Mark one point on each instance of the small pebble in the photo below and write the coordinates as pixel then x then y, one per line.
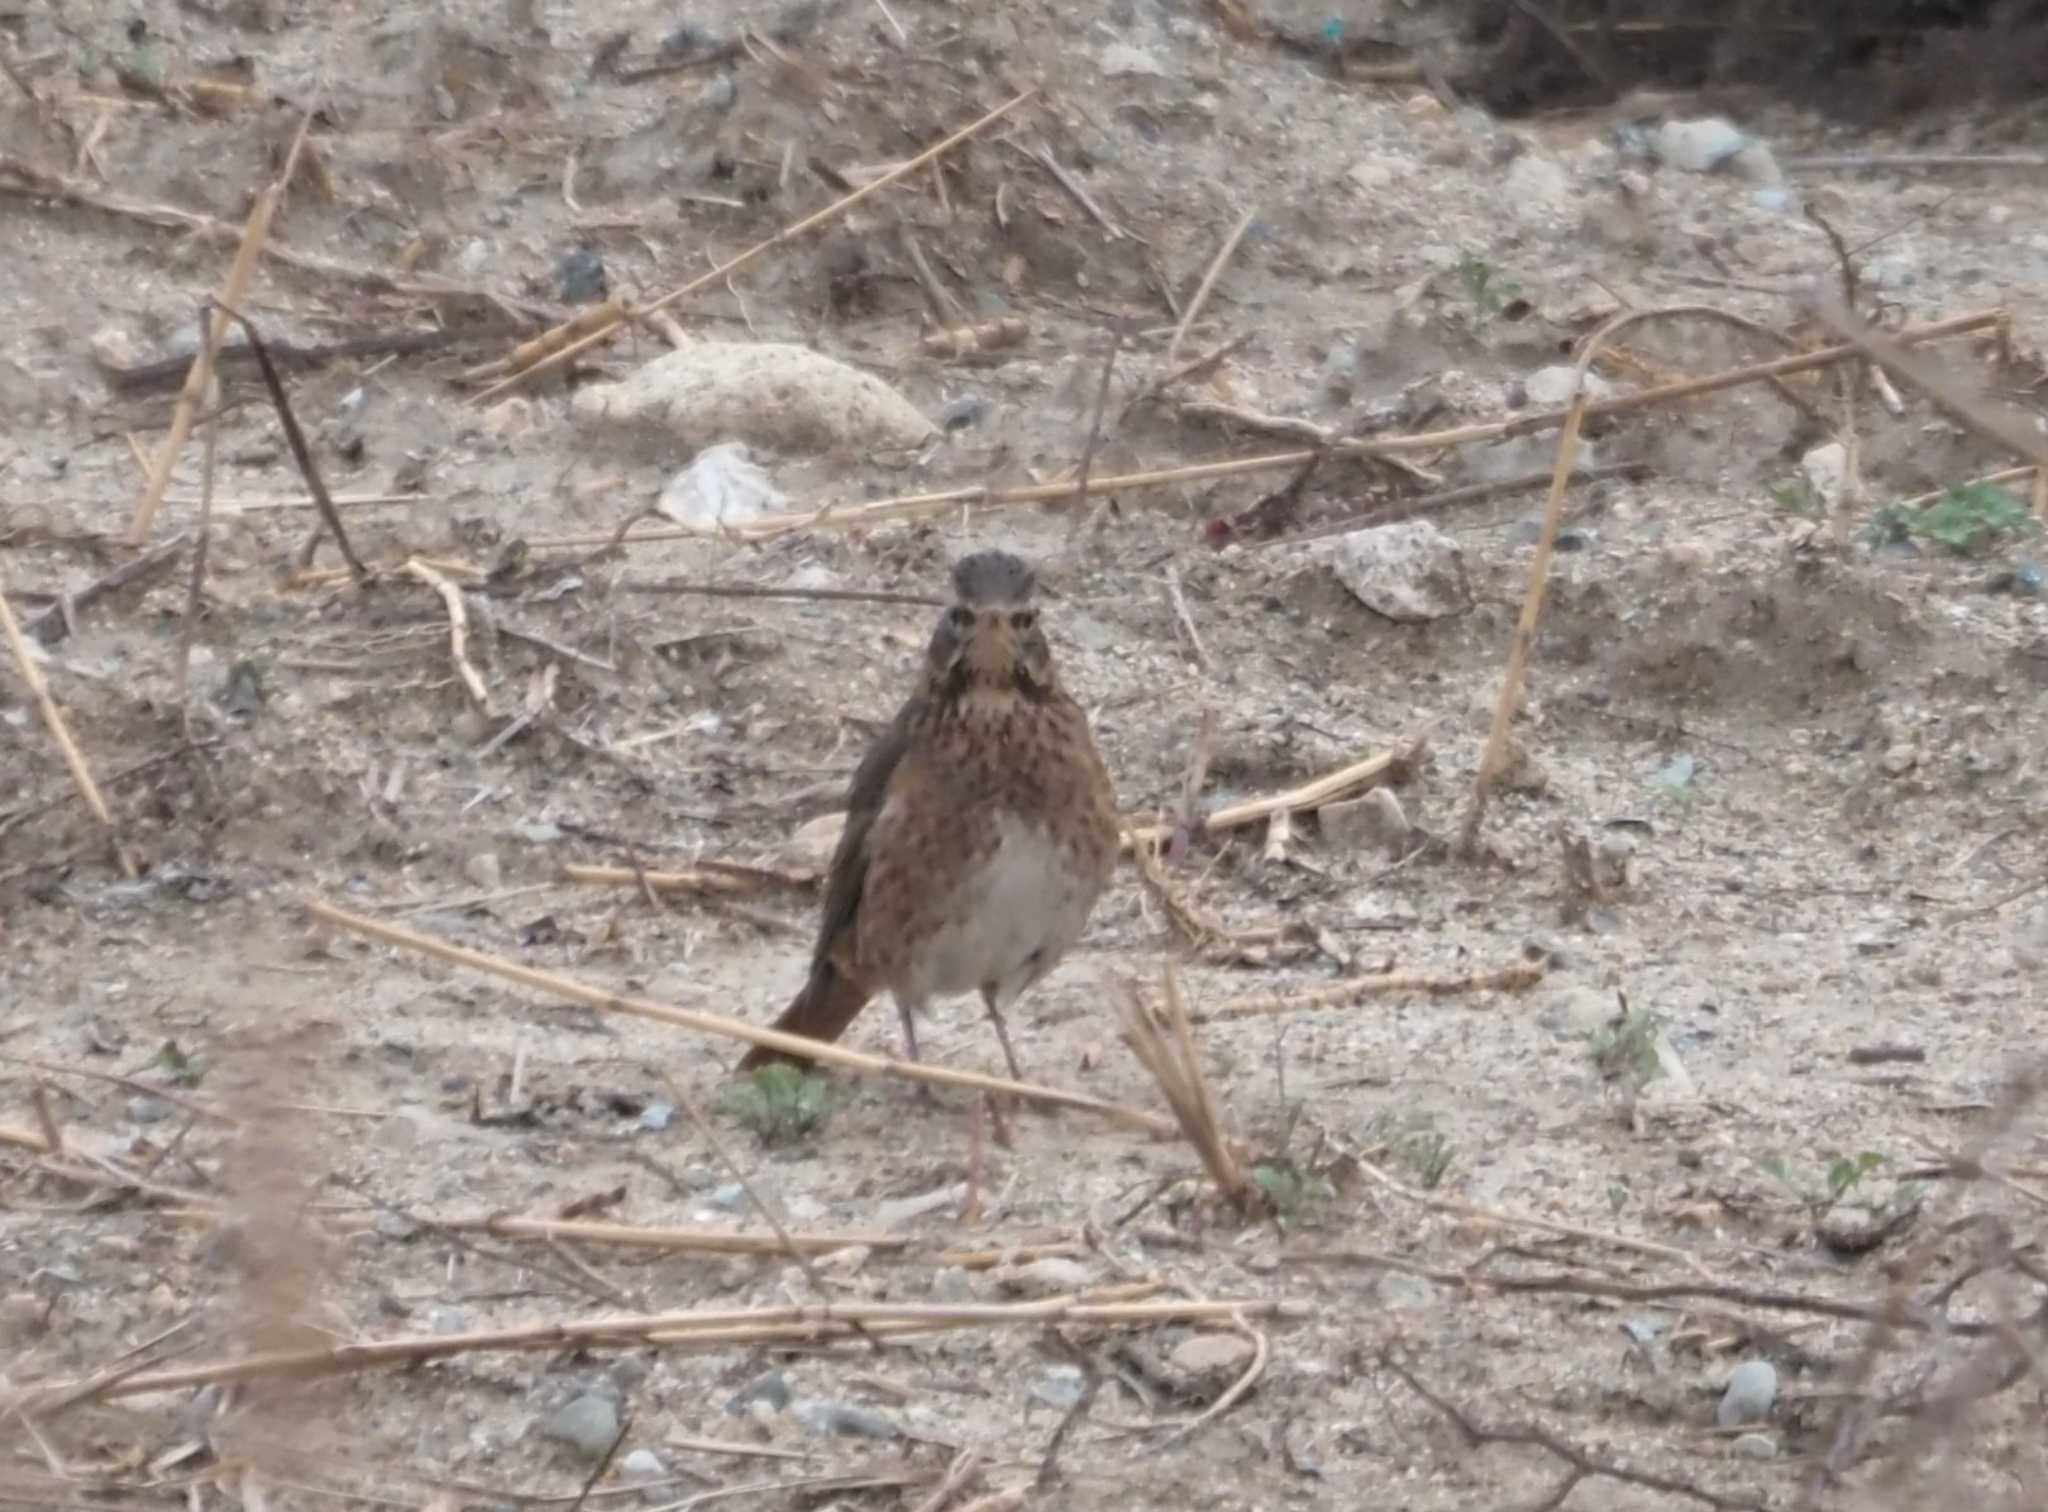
pixel 642 1464
pixel 843 1418
pixel 148 1110
pixel 958 414
pixel 1752 1390
pixel 587 1424
pixel 718 93
pixel 657 1116
pixel 447 1320
pixel 484 870
pixel 583 277
pixel 730 1196
pixel 1756 1446
pixel 1062 1386
pixel 1209 1361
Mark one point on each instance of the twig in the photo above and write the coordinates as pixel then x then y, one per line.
pixel 60 731
pixel 1208 283
pixel 706 1023
pixel 2001 428
pixel 1389 768
pixel 46 1121
pixel 712 879
pixel 753 591
pixel 1176 597
pixel 736 1325
pixel 254 234
pixel 966 1464
pixel 561 356
pixel 1516 978
pixel 1091 1382
pixel 1469 493
pixel 458 630
pixel 196 587
pixel 1581 1466
pixel 302 454
pixel 1116 341
pixel 58 621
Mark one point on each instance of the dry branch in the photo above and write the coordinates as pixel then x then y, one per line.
pixel 458 630
pixel 714 881
pixel 60 731
pixel 737 1325
pixel 1389 767
pixel 254 235
pixel 559 352
pixel 1516 978
pixel 707 1023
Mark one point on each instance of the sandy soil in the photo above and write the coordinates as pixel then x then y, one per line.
pixel 1820 760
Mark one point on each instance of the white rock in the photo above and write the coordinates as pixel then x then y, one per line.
pixel 721 486
pixel 778 396
pixel 641 1464
pixel 1551 387
pixel 1697 146
pixel 1826 468
pixel 1409 571
pixel 1537 189
pixel 1752 1389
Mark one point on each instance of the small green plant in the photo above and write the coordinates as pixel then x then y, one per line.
pixel 1629 1049
pixel 1415 1143
pixel 1288 1187
pixel 779 1103
pixel 1796 497
pixel 1843 1174
pixel 1484 287
pixel 1967 520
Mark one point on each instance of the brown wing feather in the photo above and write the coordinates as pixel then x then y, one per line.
pixel 832 996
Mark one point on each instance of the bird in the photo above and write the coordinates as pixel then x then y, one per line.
pixel 981 828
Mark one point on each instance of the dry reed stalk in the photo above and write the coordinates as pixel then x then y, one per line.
pixel 1164 1042
pixel 1389 767
pixel 254 234
pixel 691 1241
pixel 1208 284
pixel 458 630
pixel 708 1023
pixel 629 1330
pixel 1516 978
pixel 560 353
pixel 747 880
pixel 838 516
pixel 60 730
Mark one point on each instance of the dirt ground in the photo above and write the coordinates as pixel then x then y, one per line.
pixel 1819 758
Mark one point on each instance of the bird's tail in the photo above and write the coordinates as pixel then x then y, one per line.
pixel 823 1010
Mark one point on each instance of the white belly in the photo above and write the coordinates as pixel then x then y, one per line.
pixel 1019 913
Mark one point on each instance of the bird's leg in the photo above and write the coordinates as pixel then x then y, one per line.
pixel 906 1011
pixel 995 1016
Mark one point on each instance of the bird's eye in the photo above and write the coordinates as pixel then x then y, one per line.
pixel 1024 619
pixel 960 616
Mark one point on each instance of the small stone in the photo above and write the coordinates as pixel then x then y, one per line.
pixel 483 869
pixel 1697 146
pixel 958 414
pixel 718 93
pixel 1374 822
pixel 730 1196
pixel 657 1116
pixel 1826 468
pixel 1062 1386
pixel 582 277
pixel 1752 1390
pixel 721 486
pixel 770 1389
pixel 1689 556
pixel 113 347
pixel 1410 571
pixel 148 1110
pixel 588 1424
pixel 1900 759
pixel 844 1419
pixel 642 1464
pixel 1207 1362
pixel 952 1283
pixel 1551 387
pixel 1756 1446
pixel 508 418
